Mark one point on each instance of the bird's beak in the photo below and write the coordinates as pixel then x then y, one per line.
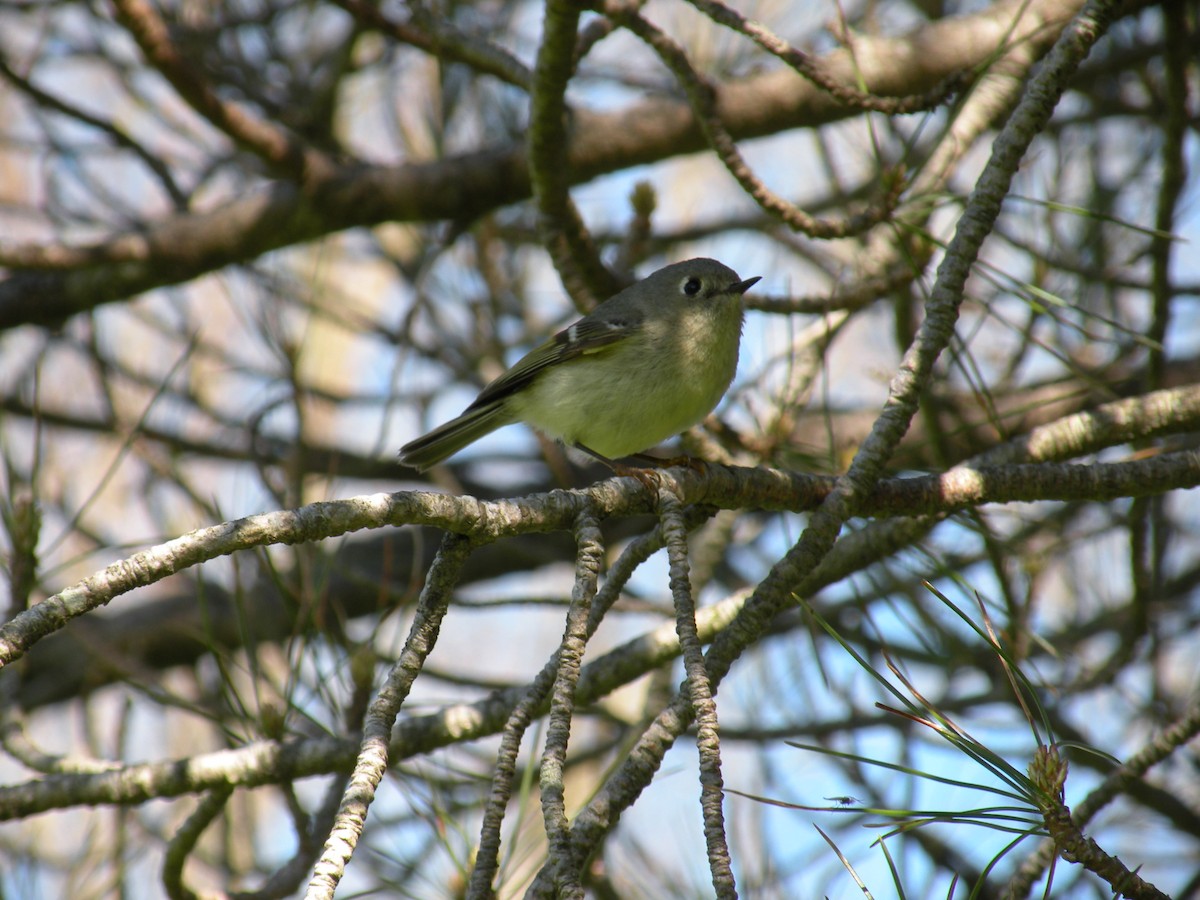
pixel 740 287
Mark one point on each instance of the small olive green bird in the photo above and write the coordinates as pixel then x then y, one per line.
pixel 646 364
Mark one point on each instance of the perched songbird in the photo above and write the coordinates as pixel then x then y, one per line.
pixel 646 364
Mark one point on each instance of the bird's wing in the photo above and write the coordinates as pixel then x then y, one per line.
pixel 588 335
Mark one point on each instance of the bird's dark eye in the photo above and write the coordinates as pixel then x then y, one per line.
pixel 691 286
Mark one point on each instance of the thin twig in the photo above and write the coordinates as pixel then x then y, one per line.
pixel 701 94
pixel 1166 743
pixel 183 842
pixel 589 556
pixel 282 150
pixel 533 700
pixel 563 231
pixel 118 135
pixel 700 690
pixel 438 38
pixel 372 761
pixel 812 70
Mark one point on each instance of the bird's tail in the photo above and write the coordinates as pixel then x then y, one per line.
pixel 446 440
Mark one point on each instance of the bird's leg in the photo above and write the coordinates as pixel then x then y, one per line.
pixel 656 462
pixel 646 475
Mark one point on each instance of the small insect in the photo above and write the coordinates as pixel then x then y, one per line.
pixel 842 801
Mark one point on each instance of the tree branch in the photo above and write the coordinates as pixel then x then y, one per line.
pixel 178 249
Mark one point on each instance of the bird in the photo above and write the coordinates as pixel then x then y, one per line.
pixel 646 364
